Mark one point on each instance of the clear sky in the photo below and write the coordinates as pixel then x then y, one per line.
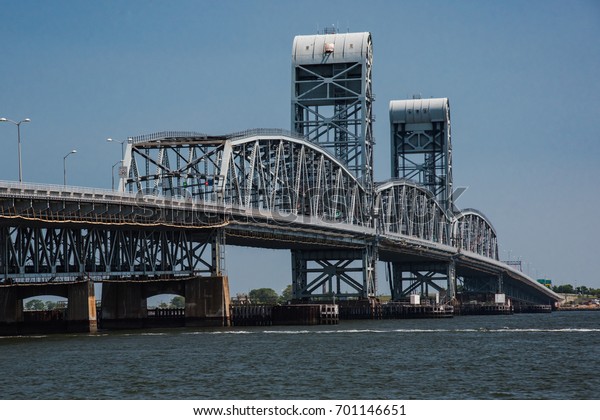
pixel 523 78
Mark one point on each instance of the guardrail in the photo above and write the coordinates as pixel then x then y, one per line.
pixel 161 135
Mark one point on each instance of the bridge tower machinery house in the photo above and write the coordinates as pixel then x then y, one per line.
pixel 332 106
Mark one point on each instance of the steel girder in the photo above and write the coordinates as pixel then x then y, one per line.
pixel 332 97
pixel 473 232
pixel 43 254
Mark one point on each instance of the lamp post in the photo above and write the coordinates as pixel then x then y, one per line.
pixel 112 173
pixel 65 166
pixel 122 145
pixel 18 124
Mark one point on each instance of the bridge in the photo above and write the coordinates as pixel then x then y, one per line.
pixel 184 195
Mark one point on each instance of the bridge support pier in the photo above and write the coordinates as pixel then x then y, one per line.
pixel 11 310
pixel 485 289
pixel 419 278
pixel 207 302
pixel 331 274
pixel 124 303
pixel 79 316
pixel 81 309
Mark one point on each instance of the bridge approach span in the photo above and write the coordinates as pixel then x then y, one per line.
pixel 56 233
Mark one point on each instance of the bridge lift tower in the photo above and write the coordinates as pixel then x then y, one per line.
pixel 421 151
pixel 332 106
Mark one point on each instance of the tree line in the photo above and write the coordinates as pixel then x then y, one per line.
pixel 579 290
pixel 40 305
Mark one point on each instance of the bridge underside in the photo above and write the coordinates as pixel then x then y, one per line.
pixel 454 277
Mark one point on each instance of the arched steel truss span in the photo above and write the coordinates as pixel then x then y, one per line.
pixel 270 170
pixel 410 209
pixel 473 232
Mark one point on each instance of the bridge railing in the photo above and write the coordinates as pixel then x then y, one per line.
pixel 165 134
pixel 266 132
pixel 44 190
pixel 191 134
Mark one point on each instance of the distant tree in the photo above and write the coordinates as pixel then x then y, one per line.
pixel 564 288
pixel 50 305
pixel 264 296
pixel 163 305
pixel 286 295
pixel 35 305
pixel 177 302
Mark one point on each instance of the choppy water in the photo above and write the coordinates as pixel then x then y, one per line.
pixel 524 356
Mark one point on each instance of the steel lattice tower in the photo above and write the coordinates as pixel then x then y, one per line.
pixel 421 149
pixel 332 97
pixel 332 107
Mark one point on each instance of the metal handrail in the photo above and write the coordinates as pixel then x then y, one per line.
pixel 165 134
pixel 161 135
pixel 35 188
pixel 265 132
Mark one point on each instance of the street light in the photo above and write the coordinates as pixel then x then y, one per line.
pixel 122 145
pixel 65 166
pixel 18 124
pixel 112 173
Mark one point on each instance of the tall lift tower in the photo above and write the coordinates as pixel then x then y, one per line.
pixel 421 147
pixel 332 107
pixel 421 151
pixel 332 97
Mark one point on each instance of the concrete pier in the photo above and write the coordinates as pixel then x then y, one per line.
pixel 80 315
pixel 124 302
pixel 123 305
pixel 81 309
pixel 207 302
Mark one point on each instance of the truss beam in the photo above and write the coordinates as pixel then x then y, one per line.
pixel 33 253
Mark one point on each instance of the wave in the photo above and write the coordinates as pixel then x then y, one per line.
pixel 503 330
pixel 217 332
pixel 19 337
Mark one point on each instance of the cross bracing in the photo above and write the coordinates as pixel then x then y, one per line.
pixel 268 170
pixel 31 253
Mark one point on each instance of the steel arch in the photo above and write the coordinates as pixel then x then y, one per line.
pixel 473 232
pixel 269 170
pixel 407 208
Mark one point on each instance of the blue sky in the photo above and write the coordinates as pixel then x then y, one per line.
pixel 523 78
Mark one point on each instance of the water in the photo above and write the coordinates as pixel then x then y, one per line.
pixel 524 356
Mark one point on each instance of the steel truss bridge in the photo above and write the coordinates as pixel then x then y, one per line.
pixel 262 188
pixel 184 195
